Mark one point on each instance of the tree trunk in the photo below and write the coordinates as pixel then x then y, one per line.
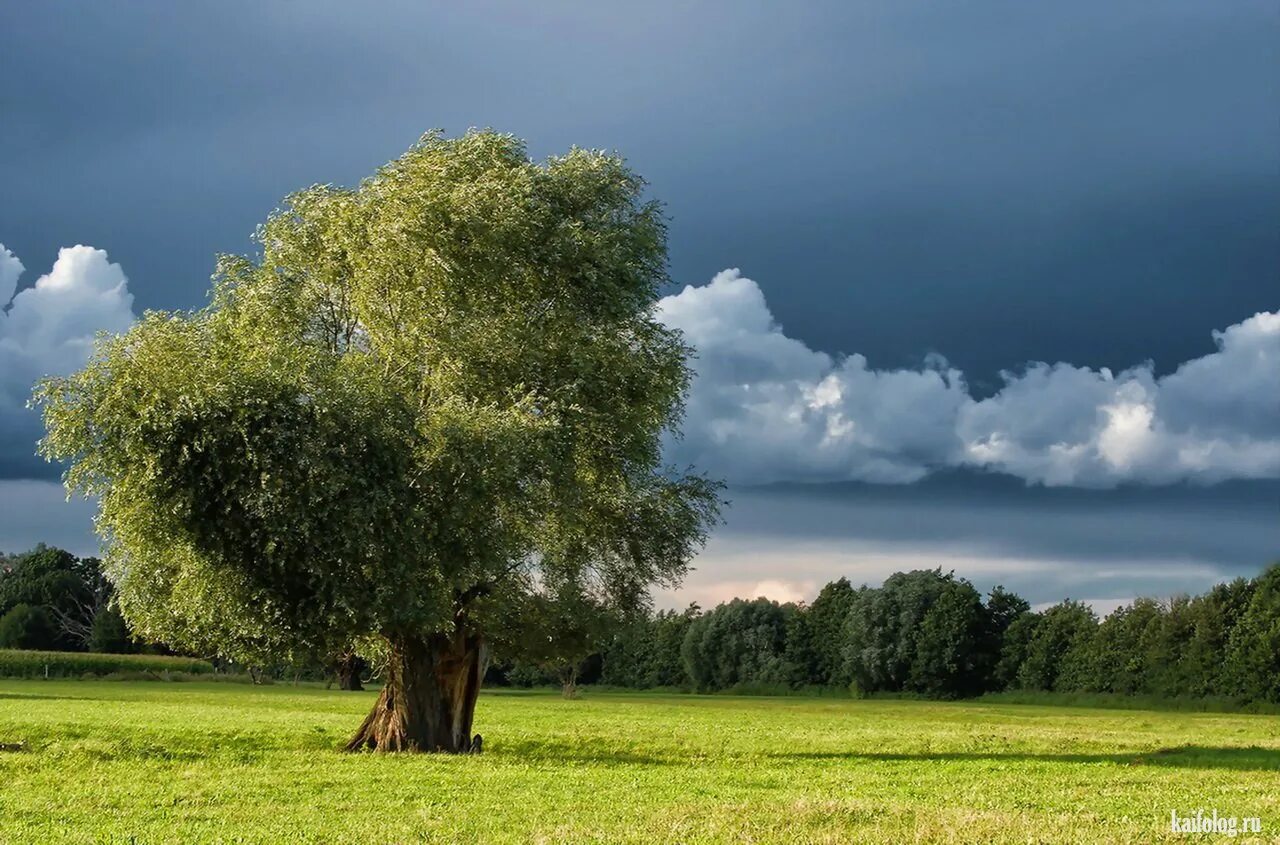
pixel 429 698
pixel 569 682
pixel 349 668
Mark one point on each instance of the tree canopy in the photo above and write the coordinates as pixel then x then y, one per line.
pixel 428 398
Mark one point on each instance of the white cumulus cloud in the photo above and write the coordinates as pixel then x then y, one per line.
pixel 1216 417
pixel 765 407
pixel 49 329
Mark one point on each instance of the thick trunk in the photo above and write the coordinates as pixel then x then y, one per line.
pixel 348 670
pixel 429 698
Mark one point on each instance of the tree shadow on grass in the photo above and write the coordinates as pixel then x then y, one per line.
pixel 598 755
pixel 35 696
pixel 1251 758
pixel 70 699
pixel 22 696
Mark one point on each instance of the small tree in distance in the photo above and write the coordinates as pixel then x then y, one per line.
pixel 564 628
pixel 428 399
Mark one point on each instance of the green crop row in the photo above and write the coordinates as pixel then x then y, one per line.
pixel 66 664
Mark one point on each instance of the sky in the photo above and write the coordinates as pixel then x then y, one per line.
pixel 989 286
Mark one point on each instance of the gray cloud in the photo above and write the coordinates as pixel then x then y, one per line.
pixel 978 178
pixel 10 269
pixel 765 407
pixel 34 511
pixel 1105 546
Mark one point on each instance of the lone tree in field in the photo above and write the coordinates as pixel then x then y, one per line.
pixel 430 400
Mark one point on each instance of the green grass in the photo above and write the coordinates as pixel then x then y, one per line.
pixel 203 762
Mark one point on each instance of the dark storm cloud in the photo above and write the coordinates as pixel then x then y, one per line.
pixel 1093 182
pixel 34 511
pixel 962 509
pixel 1002 182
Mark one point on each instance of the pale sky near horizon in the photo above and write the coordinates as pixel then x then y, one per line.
pixel 882 217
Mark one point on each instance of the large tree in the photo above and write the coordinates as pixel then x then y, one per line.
pixel 426 400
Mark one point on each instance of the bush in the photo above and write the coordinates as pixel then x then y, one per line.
pixel 25 626
pixel 64 664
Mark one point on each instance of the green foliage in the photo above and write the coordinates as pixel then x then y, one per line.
pixel 1057 656
pixel 69 597
pixel 645 653
pixel 828 616
pixel 1013 650
pixel 1213 618
pixel 1004 608
pixel 1218 647
pixel 953 653
pixel 1253 650
pixel 742 642
pixel 1122 649
pixel 557 633
pixel 50 579
pixel 44 576
pixel 431 397
pixel 24 626
pixel 665 667
pixel 66 664
pixel 880 637
pixel 110 634
pixel 629 653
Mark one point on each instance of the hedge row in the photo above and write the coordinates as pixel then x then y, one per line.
pixel 69 664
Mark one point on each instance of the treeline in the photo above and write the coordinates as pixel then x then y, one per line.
pixel 52 600
pixel 932 634
pixel 925 633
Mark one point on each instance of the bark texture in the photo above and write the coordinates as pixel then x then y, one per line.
pixel 429 698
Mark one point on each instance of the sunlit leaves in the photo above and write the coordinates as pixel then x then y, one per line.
pixel 427 397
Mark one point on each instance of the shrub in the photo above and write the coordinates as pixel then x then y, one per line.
pixel 25 626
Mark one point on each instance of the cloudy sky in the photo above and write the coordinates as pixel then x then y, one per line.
pixel 988 286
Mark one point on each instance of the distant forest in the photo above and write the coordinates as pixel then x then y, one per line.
pixel 932 634
pixel 925 633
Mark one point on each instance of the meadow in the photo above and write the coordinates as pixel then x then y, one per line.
pixel 150 762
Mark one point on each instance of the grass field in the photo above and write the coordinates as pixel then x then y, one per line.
pixel 201 762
